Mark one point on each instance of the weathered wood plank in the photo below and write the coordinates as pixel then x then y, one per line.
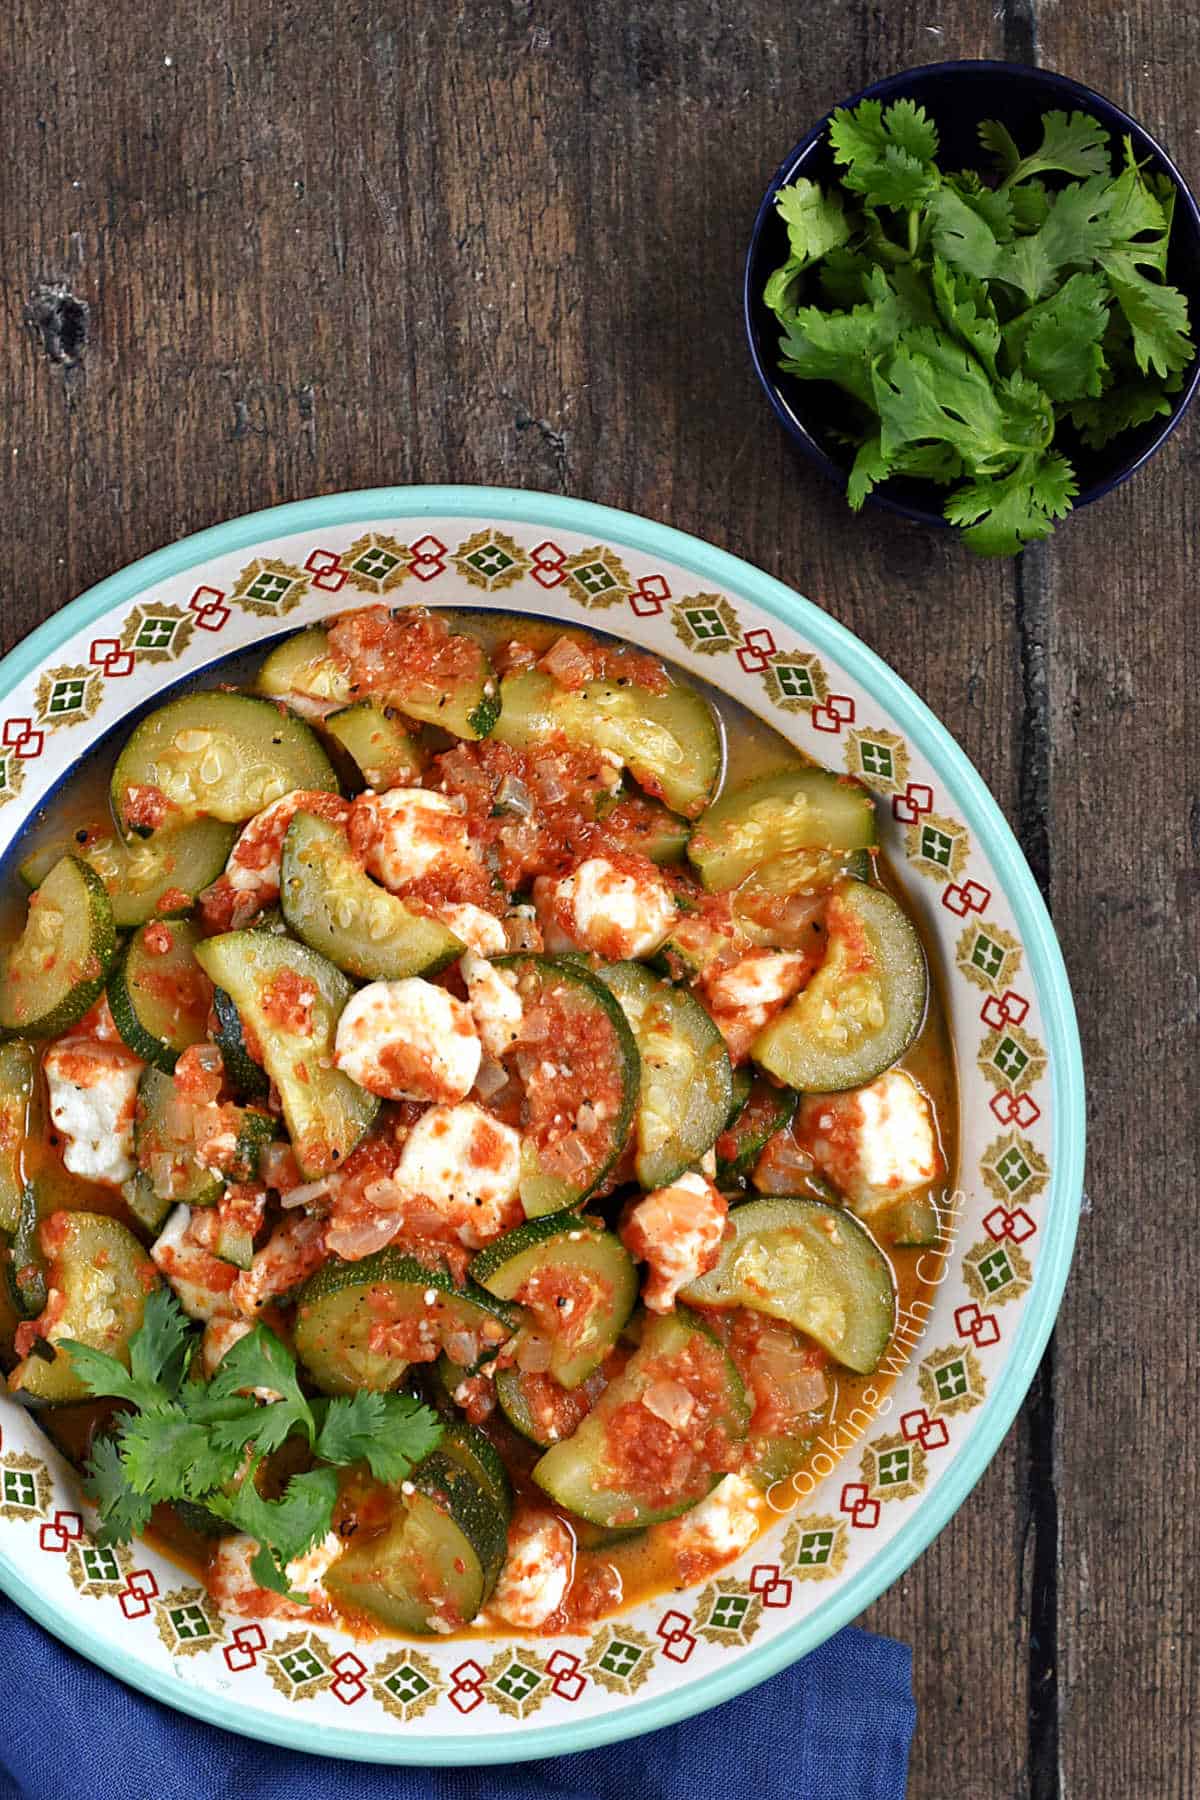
pixel 1125 860
pixel 324 252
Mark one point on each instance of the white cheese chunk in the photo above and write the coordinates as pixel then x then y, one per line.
pixel 482 932
pixel 468 1166
pixel 875 1143
pixel 537 1574
pixel 201 1281
pixel 253 866
pixel 408 832
pixel 495 1003
pixel 724 1523
pixel 677 1232
pixel 408 1040
pixel 235 1590
pixel 93 1093
pixel 760 980
pixel 608 910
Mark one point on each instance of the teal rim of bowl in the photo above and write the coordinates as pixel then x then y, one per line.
pixel 970 796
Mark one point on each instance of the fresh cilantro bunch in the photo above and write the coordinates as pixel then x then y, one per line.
pixel 204 1441
pixel 969 319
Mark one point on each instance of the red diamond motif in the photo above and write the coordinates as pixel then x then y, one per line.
pixel 1003 1104
pixel 248 1640
pixel 208 604
pixel 1025 1111
pixel 565 1679
pixel 649 596
pixel 65 1528
pixel 757 649
pixel 857 1502
pixel 837 710
pixel 349 1685
pixel 428 557
pixel 1016 1225
pixel 675 1630
pixel 931 1434
pixel 22 738
pixel 980 1327
pixel 325 567
pixel 110 655
pixel 466 1694
pixel 548 560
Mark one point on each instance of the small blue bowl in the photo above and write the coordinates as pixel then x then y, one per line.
pixel 958 96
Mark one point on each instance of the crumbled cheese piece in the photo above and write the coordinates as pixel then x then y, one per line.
pixel 875 1143
pixel 495 1003
pixel 537 1574
pixel 93 1093
pixel 235 1590
pixel 408 1040
pixel 722 1524
pixel 407 832
pixel 482 932
pixel 616 914
pixel 677 1231
pixel 468 1166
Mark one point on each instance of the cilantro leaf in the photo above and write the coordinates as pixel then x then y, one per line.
pixel 1058 343
pixel 168 1456
pixel 262 1360
pixel 962 237
pixel 994 207
pixel 858 136
pixel 967 309
pixel 816 221
pixel 1123 408
pixel 999 515
pixel 932 390
pixel 1079 226
pixel 1156 314
pixel 912 130
pixel 124 1513
pixel 888 154
pixel 1029 204
pixel 390 1432
pixel 1072 144
pixel 158 1349
pixel 285 1528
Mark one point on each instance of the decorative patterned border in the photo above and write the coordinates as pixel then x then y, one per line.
pixel 830 1554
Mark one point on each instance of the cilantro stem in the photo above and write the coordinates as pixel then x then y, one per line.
pixel 914 229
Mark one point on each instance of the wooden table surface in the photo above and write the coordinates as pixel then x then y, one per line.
pixel 327 246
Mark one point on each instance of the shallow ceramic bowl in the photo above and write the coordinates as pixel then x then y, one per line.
pixel 958 95
pixel 903 1471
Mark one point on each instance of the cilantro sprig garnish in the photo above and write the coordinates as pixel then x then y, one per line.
pixel 204 1441
pixel 969 319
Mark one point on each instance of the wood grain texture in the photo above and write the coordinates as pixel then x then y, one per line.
pixel 330 247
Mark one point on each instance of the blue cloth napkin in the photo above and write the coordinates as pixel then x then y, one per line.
pixel 835 1726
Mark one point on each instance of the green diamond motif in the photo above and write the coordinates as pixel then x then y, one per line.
pixel 267 588
pixel 190 1623
pixel 490 560
pixel 300 1666
pixel 706 623
pixel 895 1467
pixel 951 1380
pixel 795 681
pixel 877 760
pixel 3 774
pixel 987 955
pixel 155 634
pixel 407 1684
pixel 936 846
pixel 594 578
pixel 816 1547
pixel 375 563
pixel 517 1682
pixel 728 1612
pixel 995 1270
pixel 1010 1059
pixel 99 1563
pixel 1013 1170
pixel 620 1658
pixel 66 696
pixel 19 1488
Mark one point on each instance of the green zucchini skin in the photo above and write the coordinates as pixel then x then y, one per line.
pixel 879 1008
pixel 815 1267
pixel 762 820
pixel 468 705
pixel 160 998
pixel 151 878
pixel 18 1088
pixel 338 1308
pixel 599 1275
pixel 686 1082
pixel 215 755
pixel 337 910
pixel 105 1278
pixel 56 971
pixel 765 1110
pixel 326 1113
pixel 588 1024
pixel 247 1080
pixel 170 1167
pixel 378 745
pixel 577 1472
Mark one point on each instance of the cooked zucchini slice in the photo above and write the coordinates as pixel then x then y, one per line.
pixel 165 1146
pixel 765 820
pixel 333 905
pixel 670 741
pixel 302 666
pixel 579 1063
pixel 434 1562
pixel 461 695
pixel 380 748
pixel 576 1279
pixel 159 995
pixel 862 1008
pixel 156 877
pixel 289 1000
pixel 601 1470
pixel 26 1266
pixel 147 1207
pixel 813 1266
pixel 466 1444
pixel 686 1085
pixel 643 826
pixel 56 970
pixel 911 1224
pixel 764 1111
pixel 409 1307
pixel 18 1086
pixel 214 755
pixel 104 1277
pixel 541 1408
pixel 243 1074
